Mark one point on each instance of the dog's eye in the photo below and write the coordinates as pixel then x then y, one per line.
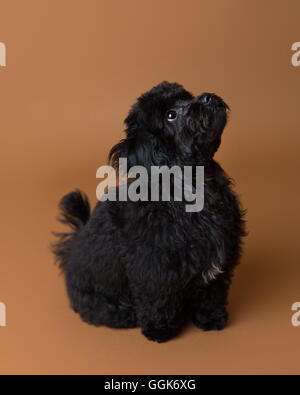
pixel 171 115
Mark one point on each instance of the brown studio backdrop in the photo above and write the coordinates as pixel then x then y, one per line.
pixel 74 67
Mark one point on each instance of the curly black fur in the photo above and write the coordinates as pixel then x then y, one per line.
pixel 152 264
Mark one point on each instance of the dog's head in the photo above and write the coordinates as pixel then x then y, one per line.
pixel 169 126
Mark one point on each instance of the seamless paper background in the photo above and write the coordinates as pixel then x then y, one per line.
pixel 74 68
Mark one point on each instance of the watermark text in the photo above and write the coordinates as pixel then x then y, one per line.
pixel 2 314
pixel 160 183
pixel 2 55
pixel 296 315
pixel 296 55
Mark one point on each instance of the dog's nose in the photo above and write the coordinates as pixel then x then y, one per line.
pixel 206 98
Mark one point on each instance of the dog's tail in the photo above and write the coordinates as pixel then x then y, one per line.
pixel 75 212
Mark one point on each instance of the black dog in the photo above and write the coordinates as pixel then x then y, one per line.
pixel 152 264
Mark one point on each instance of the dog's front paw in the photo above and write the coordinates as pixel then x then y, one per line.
pixel 159 335
pixel 211 320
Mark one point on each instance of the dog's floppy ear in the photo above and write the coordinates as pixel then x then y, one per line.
pixel 137 150
pixel 126 148
pixel 138 145
pixel 120 150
